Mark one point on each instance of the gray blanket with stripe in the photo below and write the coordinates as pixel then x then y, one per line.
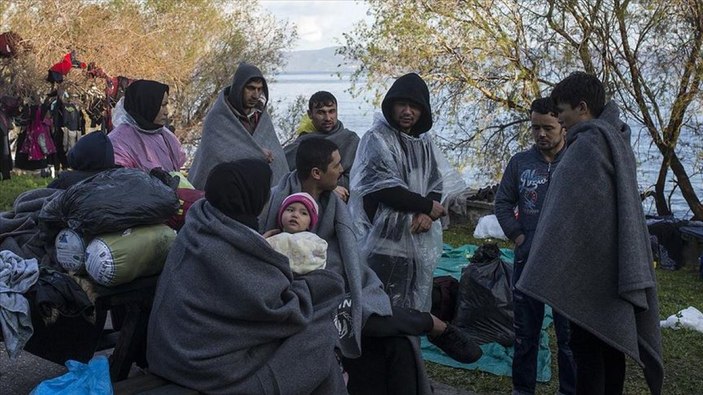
pixel 591 258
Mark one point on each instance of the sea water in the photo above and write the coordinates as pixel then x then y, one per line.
pixel 357 114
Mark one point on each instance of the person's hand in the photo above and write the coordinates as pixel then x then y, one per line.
pixel 271 232
pixel 519 240
pixel 342 192
pixel 421 223
pixel 268 154
pixel 437 210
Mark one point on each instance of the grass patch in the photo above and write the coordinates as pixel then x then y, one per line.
pixel 10 189
pixel 683 349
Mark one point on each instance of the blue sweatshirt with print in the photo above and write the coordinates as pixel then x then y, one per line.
pixel 523 186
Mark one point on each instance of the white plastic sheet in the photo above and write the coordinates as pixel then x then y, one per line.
pixel 489 228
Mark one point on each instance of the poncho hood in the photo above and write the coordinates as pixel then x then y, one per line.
pixel 412 88
pixel 245 72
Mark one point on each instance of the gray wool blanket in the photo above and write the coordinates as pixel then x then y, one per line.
pixel 229 316
pixel 590 258
pixel 365 295
pixel 19 227
pixel 225 139
pixel 17 275
pixel 346 140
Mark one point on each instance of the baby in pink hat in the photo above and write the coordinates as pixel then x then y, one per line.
pixel 305 250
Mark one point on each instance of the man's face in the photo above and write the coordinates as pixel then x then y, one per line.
pixel 162 116
pixel 546 131
pixel 324 118
pixel 328 179
pixel 570 116
pixel 251 93
pixel 406 114
pixel 295 218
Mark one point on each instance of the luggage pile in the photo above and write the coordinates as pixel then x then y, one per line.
pixel 113 225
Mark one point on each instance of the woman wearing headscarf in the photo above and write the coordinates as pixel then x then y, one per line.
pixel 140 139
pixel 228 314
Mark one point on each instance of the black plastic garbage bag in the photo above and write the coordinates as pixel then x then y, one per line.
pixel 112 201
pixel 485 305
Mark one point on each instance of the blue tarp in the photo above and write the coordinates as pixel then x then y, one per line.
pixel 496 359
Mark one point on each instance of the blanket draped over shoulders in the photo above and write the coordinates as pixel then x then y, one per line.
pixel 225 139
pixel 230 317
pixel 364 292
pixel 591 258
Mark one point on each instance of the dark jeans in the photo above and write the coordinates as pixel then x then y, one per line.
pixel 387 366
pixel 600 369
pixel 528 317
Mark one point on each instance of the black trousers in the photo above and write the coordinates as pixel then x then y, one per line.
pixel 600 368
pixel 388 364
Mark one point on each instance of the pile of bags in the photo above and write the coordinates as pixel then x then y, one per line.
pixel 113 225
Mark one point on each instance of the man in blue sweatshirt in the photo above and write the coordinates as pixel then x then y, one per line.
pixel 523 187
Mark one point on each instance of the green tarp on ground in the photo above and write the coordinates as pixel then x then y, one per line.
pixel 496 359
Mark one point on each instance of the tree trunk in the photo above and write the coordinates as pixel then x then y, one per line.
pixel 659 196
pixel 689 194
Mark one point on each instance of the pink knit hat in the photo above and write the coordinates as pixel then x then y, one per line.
pixel 306 200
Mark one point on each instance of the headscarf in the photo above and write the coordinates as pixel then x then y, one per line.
pixel 240 189
pixel 410 87
pixel 142 101
pixel 92 152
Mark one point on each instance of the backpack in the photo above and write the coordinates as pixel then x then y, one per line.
pixel 445 290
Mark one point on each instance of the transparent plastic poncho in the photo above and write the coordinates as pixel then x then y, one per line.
pixel 385 159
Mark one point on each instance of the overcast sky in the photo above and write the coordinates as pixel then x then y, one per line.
pixel 320 23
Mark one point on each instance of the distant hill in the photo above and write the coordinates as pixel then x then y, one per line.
pixel 316 61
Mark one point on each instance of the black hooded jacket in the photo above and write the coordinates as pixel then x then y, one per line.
pixel 92 154
pixel 410 87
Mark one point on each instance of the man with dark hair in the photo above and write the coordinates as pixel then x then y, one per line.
pixel 319 167
pixel 524 186
pixel 398 182
pixel 590 257
pixel 365 316
pixel 239 127
pixel 322 111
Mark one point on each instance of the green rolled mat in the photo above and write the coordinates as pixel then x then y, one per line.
pixel 120 257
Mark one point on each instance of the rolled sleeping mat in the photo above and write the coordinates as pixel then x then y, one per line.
pixel 70 250
pixel 120 257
